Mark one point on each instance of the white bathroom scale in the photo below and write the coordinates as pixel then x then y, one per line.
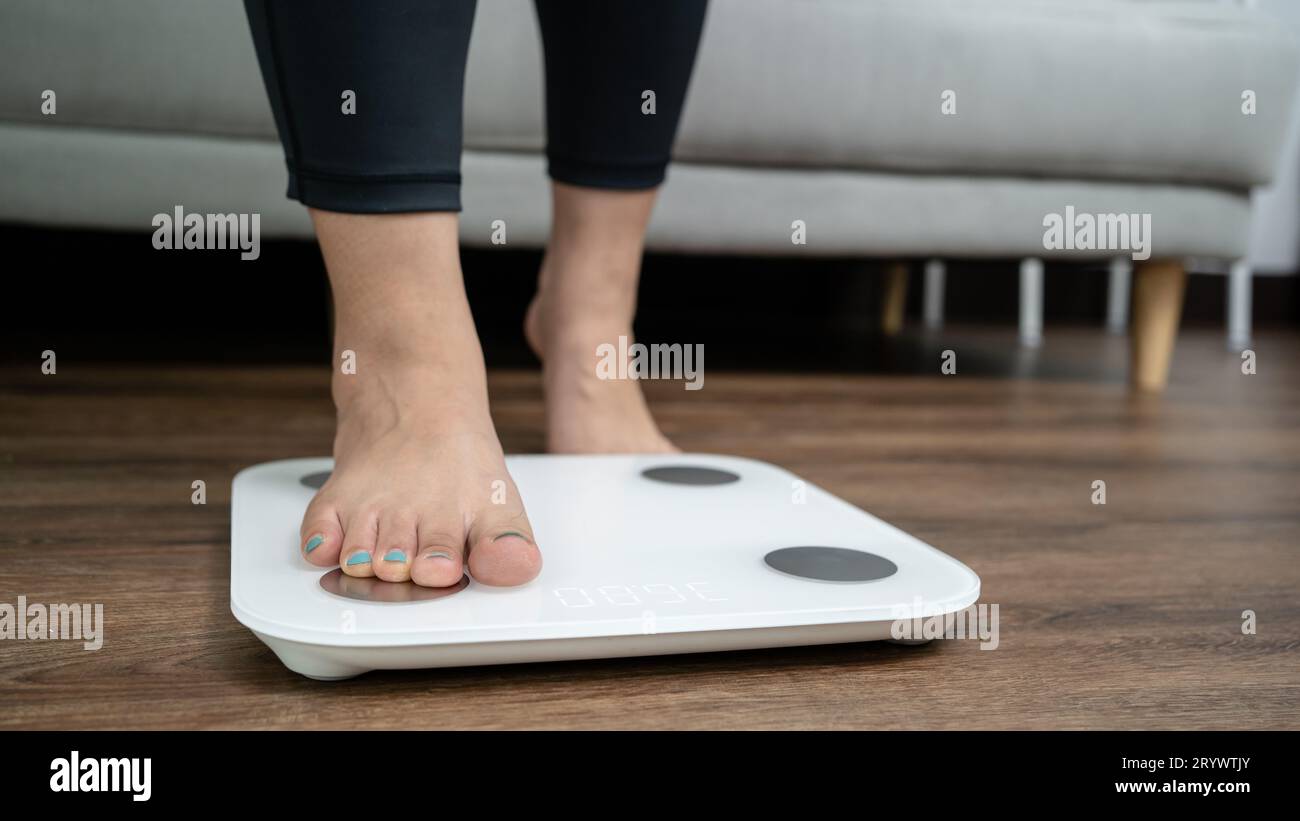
pixel 642 555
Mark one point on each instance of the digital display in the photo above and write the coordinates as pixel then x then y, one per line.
pixel 632 595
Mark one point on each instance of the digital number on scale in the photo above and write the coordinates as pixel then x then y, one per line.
pixel 622 595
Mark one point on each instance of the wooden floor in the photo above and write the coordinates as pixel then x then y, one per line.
pixel 1126 615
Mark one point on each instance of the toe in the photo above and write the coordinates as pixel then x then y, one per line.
pixel 502 550
pixel 440 559
pixel 395 546
pixel 321 536
pixel 359 539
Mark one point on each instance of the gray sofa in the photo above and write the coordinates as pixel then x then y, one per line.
pixel 825 111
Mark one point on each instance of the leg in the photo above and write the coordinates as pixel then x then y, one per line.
pixel 616 78
pixel 934 282
pixel 1157 304
pixel 419 489
pixel 1117 293
pixel 1239 305
pixel 586 297
pixel 893 298
pixel 1031 302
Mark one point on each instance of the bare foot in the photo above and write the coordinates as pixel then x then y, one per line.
pixel 584 413
pixel 419 489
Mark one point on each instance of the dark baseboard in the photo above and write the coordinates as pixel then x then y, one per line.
pixel 110 296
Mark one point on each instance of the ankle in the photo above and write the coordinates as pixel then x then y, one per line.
pixel 578 343
pixel 385 383
pixel 591 279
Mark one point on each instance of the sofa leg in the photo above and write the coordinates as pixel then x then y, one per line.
pixel 1239 306
pixel 1117 292
pixel 933 293
pixel 1031 302
pixel 894 298
pixel 1157 305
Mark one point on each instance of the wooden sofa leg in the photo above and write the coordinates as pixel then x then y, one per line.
pixel 1157 305
pixel 894 298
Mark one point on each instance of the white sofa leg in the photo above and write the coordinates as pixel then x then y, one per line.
pixel 1239 305
pixel 1031 302
pixel 934 282
pixel 1117 293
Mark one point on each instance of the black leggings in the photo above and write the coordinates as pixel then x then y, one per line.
pixel 405 61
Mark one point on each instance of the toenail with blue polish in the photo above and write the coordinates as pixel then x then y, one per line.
pixel 314 542
pixel 511 533
pixel 394 556
pixel 359 558
pixel 437 554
